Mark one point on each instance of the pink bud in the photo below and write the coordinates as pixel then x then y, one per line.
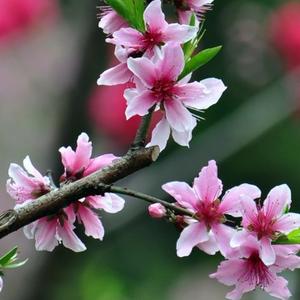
pixel 157 210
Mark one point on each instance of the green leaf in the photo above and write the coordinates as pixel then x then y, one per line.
pixel 289 239
pixel 8 257
pixel 131 10
pixel 16 265
pixel 190 46
pixel 139 7
pixel 199 60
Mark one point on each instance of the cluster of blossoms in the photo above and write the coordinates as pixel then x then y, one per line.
pixel 27 185
pixel 153 61
pixel 239 225
pixel 251 258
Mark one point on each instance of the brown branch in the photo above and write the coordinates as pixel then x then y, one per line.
pixel 94 184
pixel 141 134
pixel 151 199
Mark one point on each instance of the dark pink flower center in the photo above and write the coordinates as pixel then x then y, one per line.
pixel 71 176
pixel 40 191
pixel 152 39
pixel 256 272
pixel 163 90
pixel 209 213
pixel 262 225
pixel 181 4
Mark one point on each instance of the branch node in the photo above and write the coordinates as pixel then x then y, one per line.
pixel 7 218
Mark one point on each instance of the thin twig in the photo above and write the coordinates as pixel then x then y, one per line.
pixel 150 199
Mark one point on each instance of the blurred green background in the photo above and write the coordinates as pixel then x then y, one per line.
pixel 48 95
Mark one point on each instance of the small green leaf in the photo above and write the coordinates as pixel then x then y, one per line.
pixel 16 265
pixel 131 10
pixel 199 60
pixel 8 257
pixel 139 7
pixel 289 239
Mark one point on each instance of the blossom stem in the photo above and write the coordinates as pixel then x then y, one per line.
pixel 141 134
pixel 150 199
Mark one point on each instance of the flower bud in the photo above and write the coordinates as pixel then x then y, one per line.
pixel 157 210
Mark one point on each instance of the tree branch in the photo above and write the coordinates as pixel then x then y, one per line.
pixel 94 184
pixel 141 134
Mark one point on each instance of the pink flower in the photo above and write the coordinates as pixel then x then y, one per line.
pixel 247 271
pixel 209 233
pixel 157 210
pixel 49 231
pixel 158 32
pixel 79 164
pixel 267 222
pixel 157 84
pixel 24 186
pixel 110 21
pixel 185 8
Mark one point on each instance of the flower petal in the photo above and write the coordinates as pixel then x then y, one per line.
pixel 83 152
pixel 171 63
pixel 127 37
pixel 144 69
pixel 45 235
pixel 229 271
pixel 238 238
pixel 117 75
pixel 201 95
pixel 266 252
pixel 287 223
pixel 278 288
pixel 20 177
pixel 111 22
pixel 99 163
pixel 231 201
pixel 223 235
pixel 277 201
pixel 241 289
pixel 69 238
pixel 211 246
pixel 67 157
pixel 207 185
pixel 110 202
pixel 192 235
pixel 249 209
pixel 154 17
pixel 29 230
pixel 179 33
pixel 178 116
pixel 182 193
pixel 183 138
pixel 140 104
pixel 31 169
pixel 92 224
pixel 160 134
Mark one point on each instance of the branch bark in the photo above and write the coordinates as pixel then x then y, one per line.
pixel 94 184
pixel 141 134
